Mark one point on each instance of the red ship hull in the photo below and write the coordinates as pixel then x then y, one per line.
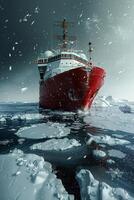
pixel 71 90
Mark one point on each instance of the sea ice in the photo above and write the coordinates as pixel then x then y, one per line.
pixel 92 189
pixel 29 177
pixel 28 116
pixel 4 142
pixel 115 173
pixel 24 117
pixel 99 154
pixel 125 109
pixel 56 144
pixel 44 130
pixel 110 161
pixel 131 147
pixel 2 119
pixel 116 153
pixel 106 139
pixel 111 117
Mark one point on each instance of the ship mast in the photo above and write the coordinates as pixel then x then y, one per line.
pixel 65 38
pixel 64 26
pixel 90 54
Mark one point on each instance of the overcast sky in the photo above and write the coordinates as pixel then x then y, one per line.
pixel 27 28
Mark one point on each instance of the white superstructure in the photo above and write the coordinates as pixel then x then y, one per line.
pixel 59 63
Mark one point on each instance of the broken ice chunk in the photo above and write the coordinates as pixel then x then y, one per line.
pixel 56 144
pixel 92 189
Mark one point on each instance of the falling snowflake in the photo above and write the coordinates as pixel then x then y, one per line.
pixel 6 21
pixel 25 18
pixel 125 14
pixel 20 20
pixel 10 68
pixel 1 7
pixel 109 43
pixel 93 22
pixel 95 19
pixel 24 89
pixel 36 10
pixel 81 15
pixel 121 71
pixel 32 22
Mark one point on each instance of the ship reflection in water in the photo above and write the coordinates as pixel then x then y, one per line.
pixel 70 144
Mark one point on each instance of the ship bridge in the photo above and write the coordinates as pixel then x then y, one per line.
pixel 60 63
pixel 63 56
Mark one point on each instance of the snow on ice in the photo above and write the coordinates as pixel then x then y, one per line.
pixel 92 189
pixel 56 144
pixel 29 177
pixel 44 130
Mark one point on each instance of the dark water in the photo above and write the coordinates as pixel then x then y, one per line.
pixel 118 174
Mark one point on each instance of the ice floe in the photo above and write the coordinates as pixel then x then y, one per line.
pixel 115 173
pixel 125 109
pixel 44 130
pixel 2 119
pixel 131 147
pixel 29 177
pixel 110 161
pixel 106 139
pixel 4 142
pixel 92 189
pixel 30 116
pixel 99 154
pixel 56 144
pixel 116 153
pixel 23 117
